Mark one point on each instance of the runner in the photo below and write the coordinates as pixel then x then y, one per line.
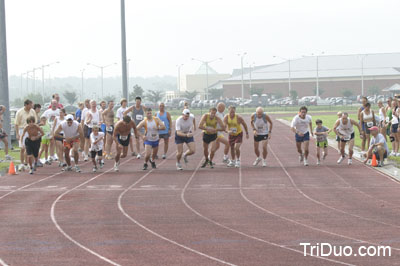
pixel 208 124
pixel 96 147
pixel 108 118
pixel 302 126
pixel 45 144
pixel 56 97
pixel 51 115
pixel 233 123
pixel 122 134
pixel 382 118
pixel 3 134
pixel 103 107
pixel 339 115
pixel 152 127
pixel 78 113
pixel 37 107
pixel 364 101
pixel 184 129
pixel 120 115
pixel 59 140
pixel 378 146
pixel 394 134
pixel 321 132
pixel 32 142
pixel 388 111
pixel 165 134
pixel 344 128
pixel 221 138
pixel 85 128
pixel 20 123
pixel 262 133
pixel 73 133
pixel 92 118
pixel 137 115
pixel 367 120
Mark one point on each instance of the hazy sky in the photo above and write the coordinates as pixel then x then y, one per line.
pixel 162 34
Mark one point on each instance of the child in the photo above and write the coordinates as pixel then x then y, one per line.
pixel 45 139
pixel 32 142
pixel 321 132
pixel 339 115
pixel 96 148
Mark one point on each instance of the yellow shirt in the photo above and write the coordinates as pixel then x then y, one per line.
pixel 22 115
pixel 234 126
pixel 210 123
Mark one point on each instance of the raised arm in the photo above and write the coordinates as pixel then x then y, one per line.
pixel 127 111
pixel 161 125
pixel 203 122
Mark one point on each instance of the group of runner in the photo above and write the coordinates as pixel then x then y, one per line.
pixel 94 129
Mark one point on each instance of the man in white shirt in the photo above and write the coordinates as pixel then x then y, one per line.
pixel 302 127
pixel 50 115
pixel 378 146
pixel 184 134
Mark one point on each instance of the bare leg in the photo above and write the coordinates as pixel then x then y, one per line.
pixel 179 152
pixel 205 149
pixel 265 148
pixel 306 145
pixel 237 150
pixel 256 148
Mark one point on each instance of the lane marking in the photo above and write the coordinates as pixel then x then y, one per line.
pixel 2 263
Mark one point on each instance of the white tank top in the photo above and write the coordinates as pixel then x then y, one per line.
pixel 70 131
pixel 58 123
pixel 381 116
pixel 367 117
pixel 152 130
pixel 261 126
pixel 221 116
pixel 95 118
pixel 345 130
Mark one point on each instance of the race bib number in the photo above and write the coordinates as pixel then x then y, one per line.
pixel 154 135
pixel 346 138
pixel 123 137
pixel 234 130
pixel 370 124
pixel 109 129
pixel 139 117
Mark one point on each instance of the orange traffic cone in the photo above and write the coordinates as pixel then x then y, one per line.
pixel 374 163
pixel 11 169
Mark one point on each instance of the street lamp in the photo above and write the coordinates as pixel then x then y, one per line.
pixel 102 77
pixel 82 72
pixel 206 63
pixel 179 77
pixel 127 73
pixel 34 78
pixel 317 78
pixel 362 73
pixel 250 72
pixel 43 66
pixel 241 63
pixel 290 78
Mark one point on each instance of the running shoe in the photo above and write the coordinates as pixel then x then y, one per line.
pixel 397 154
pixel 31 171
pixel 305 162
pixel 77 169
pixel 324 155
pixel 138 156
pixel 340 159
pixel 301 158
pixel 21 167
pixel 211 164
pixel 257 161
pixel 392 153
pixel 318 162
pixel 51 159
pixel 225 159
pixel 145 166
pixel 94 169
pixel 350 161
pixel 185 159
pixel 179 166
pixel 8 157
pixel 204 164
pixel 164 156
pixel 264 163
pixel 67 169
pixel 39 164
pixel 156 157
pixel 237 164
pixel 231 163
pixel 133 154
pixel 34 167
pixel 101 164
pixel 47 162
pixel 116 169
pixel 86 158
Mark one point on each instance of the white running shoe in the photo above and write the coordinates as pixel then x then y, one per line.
pixel 8 158
pixel 237 164
pixel 350 161
pixel 185 159
pixel 257 161
pixel 231 163
pixel 94 169
pixel 305 162
pixel 318 162
pixel 77 169
pixel 116 169
pixel 164 156
pixel 86 158
pixel 340 159
pixel 392 153
pixel 225 159
pixel 397 154
pixel 301 158
pixel 179 166
pixel 138 156
pixel 264 163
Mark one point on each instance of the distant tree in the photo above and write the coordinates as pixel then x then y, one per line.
pixel 17 102
pixel 70 96
pixel 277 95
pixel 190 94
pixel 347 93
pixel 293 95
pixel 257 91
pixel 216 93
pixel 374 90
pixel 109 98
pixel 154 96
pixel 321 91
pixel 34 97
pixel 137 91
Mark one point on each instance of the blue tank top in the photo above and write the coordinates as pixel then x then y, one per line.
pixel 166 122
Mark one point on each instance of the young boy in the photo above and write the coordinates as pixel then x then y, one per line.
pixel 45 139
pixel 321 132
pixel 339 115
pixel 32 142
pixel 96 148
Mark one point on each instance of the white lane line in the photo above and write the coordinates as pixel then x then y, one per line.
pixel 244 234
pixel 2 263
pixel 157 234
pixel 53 217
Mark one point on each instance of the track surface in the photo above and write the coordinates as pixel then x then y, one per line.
pixel 246 216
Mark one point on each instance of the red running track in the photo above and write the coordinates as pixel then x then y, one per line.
pixel 246 216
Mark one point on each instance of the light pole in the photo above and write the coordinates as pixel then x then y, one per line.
pixel 290 75
pixel 362 73
pixel 317 78
pixel 82 72
pixel 206 63
pixel 179 77
pixel 123 53
pixel 22 77
pixel 127 74
pixel 102 77
pixel 43 66
pixel 250 72
pixel 241 64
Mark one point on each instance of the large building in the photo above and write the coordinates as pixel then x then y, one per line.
pixel 334 74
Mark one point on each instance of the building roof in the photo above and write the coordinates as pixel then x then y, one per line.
pixel 394 87
pixel 329 66
pixel 203 70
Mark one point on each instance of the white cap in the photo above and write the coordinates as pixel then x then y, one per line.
pixel 69 117
pixel 186 112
